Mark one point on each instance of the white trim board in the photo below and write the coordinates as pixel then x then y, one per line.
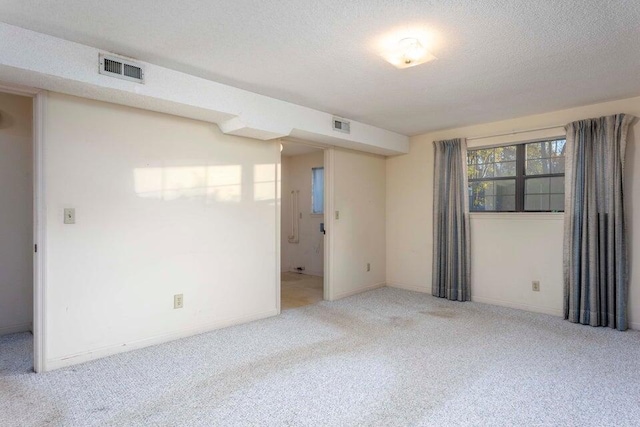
pixel 422 289
pixel 490 301
pixel 519 306
pixel 278 213
pixel 37 326
pixel 39 234
pixel 500 303
pixel 359 291
pixel 74 359
pixel 329 221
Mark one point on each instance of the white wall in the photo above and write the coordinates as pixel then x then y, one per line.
pixel 164 205
pixel 503 264
pixel 16 214
pixel 309 251
pixel 509 251
pixel 358 237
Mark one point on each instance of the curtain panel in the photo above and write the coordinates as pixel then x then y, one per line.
pixel 595 246
pixel 451 257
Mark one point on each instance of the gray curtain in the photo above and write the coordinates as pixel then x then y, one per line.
pixel 595 246
pixel 451 259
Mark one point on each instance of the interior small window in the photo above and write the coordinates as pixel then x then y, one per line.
pixel 317 190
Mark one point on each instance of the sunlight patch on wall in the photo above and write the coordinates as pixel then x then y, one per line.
pixel 220 183
pixel 264 182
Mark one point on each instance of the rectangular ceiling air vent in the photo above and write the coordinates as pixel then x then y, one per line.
pixel 341 125
pixel 121 68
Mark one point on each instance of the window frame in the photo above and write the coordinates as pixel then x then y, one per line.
pixel 520 176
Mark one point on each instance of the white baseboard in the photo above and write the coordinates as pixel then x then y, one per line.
pixel 423 289
pixel 492 301
pixel 502 303
pixel 358 291
pixel 77 358
pixel 14 329
pixel 519 306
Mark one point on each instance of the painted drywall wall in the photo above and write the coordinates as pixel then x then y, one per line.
pixel 511 251
pixel 164 206
pixel 16 213
pixel 505 281
pixel 309 251
pixel 358 235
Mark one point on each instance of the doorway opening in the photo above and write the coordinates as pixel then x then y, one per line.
pixel 302 253
pixel 16 228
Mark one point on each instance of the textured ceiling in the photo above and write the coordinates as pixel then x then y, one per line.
pixel 497 59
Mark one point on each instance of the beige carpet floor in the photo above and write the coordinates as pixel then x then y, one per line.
pixel 383 358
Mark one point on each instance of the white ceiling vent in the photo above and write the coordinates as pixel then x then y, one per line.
pixel 341 125
pixel 121 68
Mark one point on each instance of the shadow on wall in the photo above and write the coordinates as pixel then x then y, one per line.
pixel 6 120
pixel 211 183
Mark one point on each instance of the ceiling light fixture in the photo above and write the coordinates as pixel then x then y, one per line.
pixel 408 52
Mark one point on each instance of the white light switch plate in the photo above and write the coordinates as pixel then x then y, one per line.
pixel 69 216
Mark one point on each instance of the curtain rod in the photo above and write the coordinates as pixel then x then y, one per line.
pixel 515 132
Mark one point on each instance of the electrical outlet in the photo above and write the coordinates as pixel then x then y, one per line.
pixel 337 214
pixel 368 266
pixel 178 301
pixel 535 285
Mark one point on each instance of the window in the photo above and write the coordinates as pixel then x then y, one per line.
pixel 517 178
pixel 317 190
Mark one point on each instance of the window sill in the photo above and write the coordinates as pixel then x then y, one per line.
pixel 316 215
pixel 554 216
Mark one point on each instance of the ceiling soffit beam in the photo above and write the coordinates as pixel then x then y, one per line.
pixel 38 60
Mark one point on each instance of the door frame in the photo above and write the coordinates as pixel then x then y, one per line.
pixel 329 183
pixel 39 220
pixel 328 153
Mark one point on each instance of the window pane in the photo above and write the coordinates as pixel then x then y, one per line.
pixel 556 185
pixel 492 195
pixel 544 194
pixel 545 157
pixel 491 162
pixel 505 187
pixel 536 202
pixel 485 170
pixel 506 203
pixel 505 169
pixel 537 167
pixel 545 149
pixel 317 190
pixel 485 156
pixel 557 165
pixel 506 153
pixel 556 203
pixel 471 170
pixel 536 186
pixel 489 203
